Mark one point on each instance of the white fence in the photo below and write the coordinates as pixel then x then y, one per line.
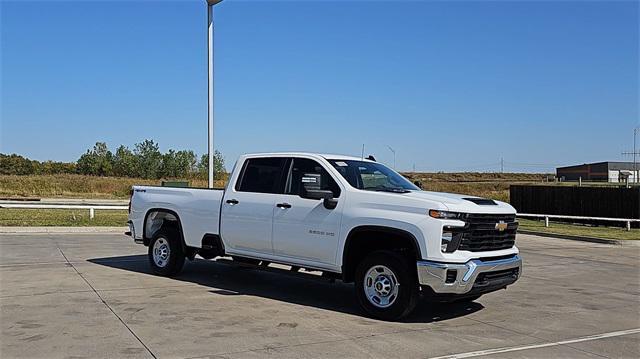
pixel 546 217
pixel 91 207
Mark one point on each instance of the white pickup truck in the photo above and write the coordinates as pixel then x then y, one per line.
pixel 353 219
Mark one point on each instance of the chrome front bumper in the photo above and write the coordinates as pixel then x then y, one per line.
pixel 434 274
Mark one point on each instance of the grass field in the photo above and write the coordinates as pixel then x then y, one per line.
pixel 579 230
pixel 61 217
pixel 77 186
pixel 491 185
pixel 488 185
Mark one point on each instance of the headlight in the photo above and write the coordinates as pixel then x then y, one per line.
pixel 445 214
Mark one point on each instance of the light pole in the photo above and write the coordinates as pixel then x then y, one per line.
pixel 210 151
pixel 634 154
pixel 394 156
pixel 635 165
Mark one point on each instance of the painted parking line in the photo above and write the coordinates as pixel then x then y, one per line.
pixel 541 345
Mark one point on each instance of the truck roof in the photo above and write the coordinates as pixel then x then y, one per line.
pixel 323 155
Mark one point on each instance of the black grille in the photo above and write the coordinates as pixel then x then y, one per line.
pixel 497 275
pixel 480 233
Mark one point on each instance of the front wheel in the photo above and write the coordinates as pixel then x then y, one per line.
pixel 166 255
pixel 386 286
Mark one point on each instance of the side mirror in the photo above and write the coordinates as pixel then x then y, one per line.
pixel 418 184
pixel 312 189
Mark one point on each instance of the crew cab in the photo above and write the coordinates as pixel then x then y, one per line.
pixel 352 219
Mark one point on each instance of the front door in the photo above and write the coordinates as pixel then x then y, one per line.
pixel 303 229
pixel 248 207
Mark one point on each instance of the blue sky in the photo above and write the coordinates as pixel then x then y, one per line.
pixel 449 85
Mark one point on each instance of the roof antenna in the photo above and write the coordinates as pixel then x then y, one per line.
pixel 371 158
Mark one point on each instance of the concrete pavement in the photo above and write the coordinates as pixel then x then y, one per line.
pixel 92 295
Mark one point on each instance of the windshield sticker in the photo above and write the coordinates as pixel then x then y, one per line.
pixel 341 164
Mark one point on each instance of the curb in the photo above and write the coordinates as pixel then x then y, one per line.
pixel 616 242
pixel 119 230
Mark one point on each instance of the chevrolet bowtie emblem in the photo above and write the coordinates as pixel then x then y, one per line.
pixel 501 226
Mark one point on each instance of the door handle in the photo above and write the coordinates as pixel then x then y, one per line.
pixel 283 205
pixel 233 201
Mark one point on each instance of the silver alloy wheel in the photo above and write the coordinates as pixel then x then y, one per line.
pixel 381 286
pixel 161 252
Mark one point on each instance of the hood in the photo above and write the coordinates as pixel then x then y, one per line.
pixel 463 203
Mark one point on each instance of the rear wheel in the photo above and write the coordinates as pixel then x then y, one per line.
pixel 386 287
pixel 166 255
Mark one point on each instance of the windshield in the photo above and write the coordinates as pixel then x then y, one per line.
pixel 372 176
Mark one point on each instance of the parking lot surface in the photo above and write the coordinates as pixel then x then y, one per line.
pixel 92 295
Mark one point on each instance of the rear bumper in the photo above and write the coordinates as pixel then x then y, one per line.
pixel 132 232
pixel 477 276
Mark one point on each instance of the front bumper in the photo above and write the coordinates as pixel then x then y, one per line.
pixel 476 275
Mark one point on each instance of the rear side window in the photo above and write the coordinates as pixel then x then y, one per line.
pixel 262 175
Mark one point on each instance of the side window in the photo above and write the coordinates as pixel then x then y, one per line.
pixel 262 175
pixel 301 166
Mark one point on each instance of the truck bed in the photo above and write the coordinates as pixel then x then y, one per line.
pixel 198 209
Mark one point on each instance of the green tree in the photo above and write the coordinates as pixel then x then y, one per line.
pixel 178 164
pixel 125 163
pixel 169 165
pixel 149 159
pixel 97 162
pixel 186 163
pixel 218 165
pixel 17 165
pixel 14 164
pixel 145 161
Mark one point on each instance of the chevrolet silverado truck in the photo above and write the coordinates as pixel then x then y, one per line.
pixel 353 219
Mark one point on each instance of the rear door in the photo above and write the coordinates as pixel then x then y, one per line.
pixel 303 229
pixel 248 206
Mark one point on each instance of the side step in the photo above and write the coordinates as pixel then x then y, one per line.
pixel 284 269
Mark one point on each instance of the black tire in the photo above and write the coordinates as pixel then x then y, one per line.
pixel 174 261
pixel 405 275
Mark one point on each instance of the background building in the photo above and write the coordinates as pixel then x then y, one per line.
pixel 599 171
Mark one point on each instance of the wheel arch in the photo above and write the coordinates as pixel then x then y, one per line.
pixel 152 225
pixel 380 237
